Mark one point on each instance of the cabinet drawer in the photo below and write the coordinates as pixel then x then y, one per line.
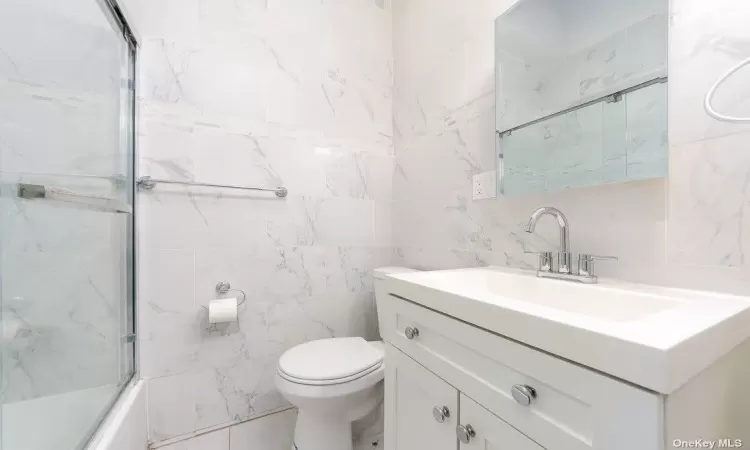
pixel 574 408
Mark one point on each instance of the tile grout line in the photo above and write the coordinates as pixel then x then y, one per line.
pixel 203 431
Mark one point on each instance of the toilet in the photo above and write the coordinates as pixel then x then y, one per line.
pixel 333 383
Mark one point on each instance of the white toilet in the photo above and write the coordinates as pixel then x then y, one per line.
pixel 333 382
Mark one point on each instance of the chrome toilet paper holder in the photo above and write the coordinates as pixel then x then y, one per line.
pixel 223 288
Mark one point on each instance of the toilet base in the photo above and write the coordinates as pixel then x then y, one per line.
pixel 322 432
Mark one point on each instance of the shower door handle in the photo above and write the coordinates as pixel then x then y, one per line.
pixel 41 192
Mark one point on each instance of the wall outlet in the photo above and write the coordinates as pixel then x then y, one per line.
pixel 485 185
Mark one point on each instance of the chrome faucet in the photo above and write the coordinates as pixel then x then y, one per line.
pixel 564 257
pixel 564 270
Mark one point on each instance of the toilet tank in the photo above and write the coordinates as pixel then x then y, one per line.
pixel 380 292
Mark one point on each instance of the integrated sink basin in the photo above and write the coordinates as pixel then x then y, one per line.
pixel 655 337
pixel 596 301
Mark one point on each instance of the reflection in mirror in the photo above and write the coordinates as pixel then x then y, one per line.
pixel 581 93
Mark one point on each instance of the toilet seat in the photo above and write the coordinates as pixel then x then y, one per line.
pixel 332 361
pixel 295 391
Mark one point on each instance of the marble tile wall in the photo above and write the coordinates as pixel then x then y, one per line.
pixel 270 432
pixel 268 93
pixel 688 230
pixel 709 160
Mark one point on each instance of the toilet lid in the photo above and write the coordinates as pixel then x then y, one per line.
pixel 330 359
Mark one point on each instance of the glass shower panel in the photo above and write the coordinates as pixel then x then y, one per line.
pixel 66 222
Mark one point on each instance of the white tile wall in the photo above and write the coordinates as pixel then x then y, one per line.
pixel 266 93
pixel 270 432
pixel 273 432
pixel 216 440
pixel 710 167
pixel 705 41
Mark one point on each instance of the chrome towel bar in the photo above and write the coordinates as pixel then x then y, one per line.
pixel 149 183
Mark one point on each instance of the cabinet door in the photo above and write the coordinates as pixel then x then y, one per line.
pixel 421 410
pixel 486 431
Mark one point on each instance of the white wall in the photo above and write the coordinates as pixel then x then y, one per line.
pixel 687 230
pixel 270 432
pixel 292 93
pixel 709 193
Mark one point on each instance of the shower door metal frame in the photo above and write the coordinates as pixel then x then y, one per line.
pixel 119 19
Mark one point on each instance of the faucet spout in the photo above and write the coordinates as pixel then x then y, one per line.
pixel 562 222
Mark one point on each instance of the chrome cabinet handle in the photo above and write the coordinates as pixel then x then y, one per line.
pixel 411 333
pixel 465 433
pixel 523 394
pixel 440 413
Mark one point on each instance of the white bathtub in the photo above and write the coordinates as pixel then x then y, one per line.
pixel 125 427
pixel 58 421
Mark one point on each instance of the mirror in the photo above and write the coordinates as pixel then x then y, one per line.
pixel 581 93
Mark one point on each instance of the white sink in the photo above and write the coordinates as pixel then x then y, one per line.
pixel 652 336
pixel 597 301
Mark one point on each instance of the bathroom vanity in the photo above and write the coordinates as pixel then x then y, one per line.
pixel 497 358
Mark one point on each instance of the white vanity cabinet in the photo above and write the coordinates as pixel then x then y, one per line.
pixel 414 392
pixel 422 409
pixel 449 383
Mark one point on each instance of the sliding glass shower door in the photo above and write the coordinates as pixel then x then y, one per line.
pixel 66 219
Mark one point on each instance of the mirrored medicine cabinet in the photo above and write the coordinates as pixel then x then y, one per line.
pixel 581 94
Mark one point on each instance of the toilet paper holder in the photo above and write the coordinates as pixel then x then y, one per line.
pixel 223 287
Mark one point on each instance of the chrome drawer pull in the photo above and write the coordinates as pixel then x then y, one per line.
pixel 523 394
pixel 465 433
pixel 440 413
pixel 411 333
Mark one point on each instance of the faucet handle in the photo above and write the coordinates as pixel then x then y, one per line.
pixel 545 260
pixel 586 263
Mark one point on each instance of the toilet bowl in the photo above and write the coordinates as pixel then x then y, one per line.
pixel 333 382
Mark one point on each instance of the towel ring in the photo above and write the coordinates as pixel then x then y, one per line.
pixel 710 96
